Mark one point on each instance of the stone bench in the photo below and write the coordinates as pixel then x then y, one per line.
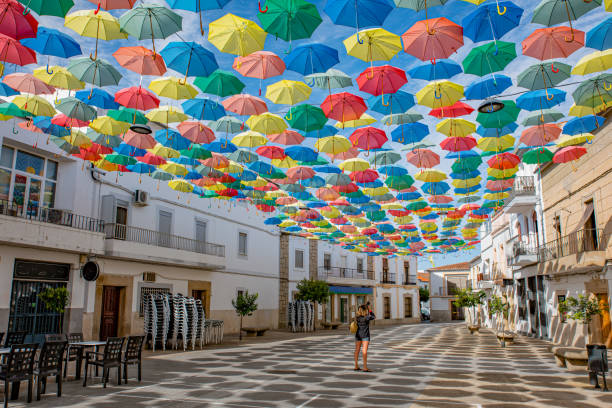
pixel 254 331
pixel 331 325
pixel 574 358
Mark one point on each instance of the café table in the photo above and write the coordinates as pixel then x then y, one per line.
pixel 86 344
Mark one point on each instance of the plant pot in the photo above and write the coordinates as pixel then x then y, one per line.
pixel 505 338
pixel 473 328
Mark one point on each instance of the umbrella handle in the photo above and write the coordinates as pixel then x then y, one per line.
pixel 433 61
pixel 570 39
pixel 549 97
pixel 437 95
pixel 98 9
pixel 264 11
pixel 553 69
pixel 607 88
pixel 15 131
pixel 182 81
pixel 383 101
pixel 49 71
pixel 90 94
pixel 501 13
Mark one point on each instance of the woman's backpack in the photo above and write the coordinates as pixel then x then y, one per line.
pixel 353 327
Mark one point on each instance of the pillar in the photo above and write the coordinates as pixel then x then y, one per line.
pixel 283 287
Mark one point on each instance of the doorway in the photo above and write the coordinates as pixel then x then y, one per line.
pixel 604 320
pixel 456 312
pixel 387 307
pixel 343 310
pixel 201 294
pixel 109 322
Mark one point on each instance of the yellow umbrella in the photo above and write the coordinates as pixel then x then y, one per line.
pixel 375 191
pixel 502 173
pixel 267 123
pixel 496 144
pixel 363 120
pixel 456 127
pixel 374 44
pixel 287 223
pixel 236 35
pixel 330 212
pixel 163 151
pixel 333 144
pixel 181 185
pixel 428 226
pixel 392 206
pixel 495 196
pixel 34 104
pixel 594 62
pixel 580 111
pixel 437 94
pixel 166 114
pixel 285 163
pixel 355 164
pixel 173 88
pixel 106 165
pixel 109 126
pixel 96 24
pixel 234 167
pixel 567 140
pixel 258 182
pixel 467 183
pixel 77 138
pixel 288 92
pixel 60 77
pixel 249 139
pixel 174 168
pixel 430 176
pixel 403 220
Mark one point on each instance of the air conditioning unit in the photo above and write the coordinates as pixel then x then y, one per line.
pixel 140 198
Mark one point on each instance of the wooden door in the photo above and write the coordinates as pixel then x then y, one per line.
pixel 386 307
pixel 343 310
pixel 110 312
pixel 606 332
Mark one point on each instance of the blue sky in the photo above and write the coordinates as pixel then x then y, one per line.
pixel 397 22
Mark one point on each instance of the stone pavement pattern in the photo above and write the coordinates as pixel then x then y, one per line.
pixel 429 365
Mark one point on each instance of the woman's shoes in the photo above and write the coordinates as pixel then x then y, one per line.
pixel 357 369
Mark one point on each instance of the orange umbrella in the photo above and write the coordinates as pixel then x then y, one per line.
pixel 300 173
pixel 327 194
pixel 259 64
pixel 423 158
pixel 217 161
pixel 504 161
pixel 141 60
pixel 540 135
pixel 553 42
pixel 28 83
pixel 287 137
pixel 139 140
pixel 433 38
pixel 245 104
pixel 196 132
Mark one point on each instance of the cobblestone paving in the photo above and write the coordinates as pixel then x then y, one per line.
pixel 429 365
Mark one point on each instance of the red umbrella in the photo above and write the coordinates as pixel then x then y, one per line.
pixel 244 104
pixel 259 64
pixel 433 38
pixel 423 158
pixel 13 52
pixel 271 152
pixel 338 221
pixel 114 4
pixel 349 154
pixel 552 42
pixel 14 23
pixel 569 154
pixel 141 60
pixel 499 185
pixel 196 132
pixel 364 176
pixel 288 137
pixel 458 144
pixel 87 155
pixel 348 188
pixel 150 158
pixel 28 83
pixel 439 199
pixel 63 120
pixel 368 138
pixel 99 149
pixel 344 106
pixel 267 187
pixel 399 213
pixel 453 111
pixel 540 135
pixel 139 140
pixel 300 173
pixel 504 161
pixel 136 97
pixel 229 192
pixel 469 207
pixel 381 80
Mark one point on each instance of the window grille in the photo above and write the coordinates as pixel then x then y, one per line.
pixel 145 291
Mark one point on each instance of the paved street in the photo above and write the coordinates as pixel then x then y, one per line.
pixel 434 365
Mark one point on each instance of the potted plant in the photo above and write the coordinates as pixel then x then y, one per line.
pixel 500 309
pixel 56 300
pixel 582 309
pixel 311 290
pixel 245 304
pixel 471 300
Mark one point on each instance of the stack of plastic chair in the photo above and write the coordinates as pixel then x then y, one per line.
pixel 201 330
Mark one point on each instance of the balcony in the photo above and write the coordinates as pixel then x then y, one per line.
pixel 519 253
pixel 50 228
pixel 388 278
pixel 154 246
pixel 580 251
pixel 410 280
pixel 523 197
pixel 342 275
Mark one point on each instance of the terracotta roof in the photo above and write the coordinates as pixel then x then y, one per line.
pixel 452 267
pixel 423 276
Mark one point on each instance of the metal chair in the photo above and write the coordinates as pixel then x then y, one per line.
pixel 17 337
pixel 50 363
pixel 74 353
pixel 55 337
pixel 109 359
pixel 133 356
pixel 19 367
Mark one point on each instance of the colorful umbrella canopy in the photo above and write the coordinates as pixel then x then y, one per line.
pixel 100 25
pixel 433 38
pixel 150 21
pixel 140 60
pixel 236 35
pixel 290 19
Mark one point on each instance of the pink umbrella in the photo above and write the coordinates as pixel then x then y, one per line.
pixel 271 152
pixel 569 154
pixel 139 140
pixel 364 176
pixel 499 185
pixel 453 111
pixel 114 4
pixel 368 138
pixel 259 64
pixel 423 158
pixel 433 38
pixel 540 135
pixel 196 132
pixel 288 137
pixel 439 199
pixel 136 97
pixel 552 42
pixel 349 154
pixel 151 158
pixel 27 83
pixel 244 104
pixel 458 144
pixel 217 161
pixel 13 52
pixel 300 173
pixel 14 23
pixel 286 200
pixel 381 80
pixel 63 120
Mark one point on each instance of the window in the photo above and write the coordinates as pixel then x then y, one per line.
pixel 299 259
pixel 200 236
pixel 360 265
pixel 562 315
pixel 242 243
pixel 557 225
pixel 408 306
pixel 26 179
pixel 406 272
pixel 327 262
pixel 145 291
pixel 387 307
pixel 239 292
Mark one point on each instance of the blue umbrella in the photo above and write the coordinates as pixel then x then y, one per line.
pixel 97 97
pixel 359 13
pixel 246 175
pixel 141 168
pixel 192 175
pixel 584 124
pixel 6 90
pixel 599 37
pixel 464 175
pixel 372 184
pixel 313 182
pixel 395 103
pixel 495 132
pixel 392 171
pixel 185 161
pixel 327 169
pixel 540 99
pixel 410 133
pixel 326 130
pixel 127 150
pixel 414 195
pixel 272 221
pixel 197 6
pixel 311 58
pixel 203 109
pixel 222 147
pixel 189 58
pixel 468 190
pixel 359 200
pixel 44 124
pixel 370 207
pixel 442 69
pixel 52 42
pixel 316 204
pixel 488 85
pixel 491 21
pixel 301 153
pixel 173 139
pixel 438 188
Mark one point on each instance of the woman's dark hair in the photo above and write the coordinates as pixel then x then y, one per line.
pixel 362 311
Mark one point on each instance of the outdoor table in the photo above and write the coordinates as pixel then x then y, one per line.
pixel 86 344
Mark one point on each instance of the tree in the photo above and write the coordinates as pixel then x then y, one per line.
pixel 245 304
pixel 500 310
pixel 424 294
pixel 582 309
pixel 56 300
pixel 313 291
pixel 469 299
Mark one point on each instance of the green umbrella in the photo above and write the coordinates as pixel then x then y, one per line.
pixel 57 8
pixel 604 101
pixel 209 194
pixel 466 164
pixel 150 21
pixel 544 75
pixel 228 124
pixel 306 117
pixel 161 175
pixel 102 139
pixel 544 116
pixel 376 215
pixel 418 5
pixel 64 145
pixel 243 156
pixel 385 158
pixel 97 72
pixel 128 115
pixel 120 159
pixel 330 79
pixel 207 171
pixel 277 175
pixel 401 118
pixel 489 58
pixel 493 153
pixel 538 156
pixel 293 188
pixel 76 109
pixel 290 19
pixel 399 182
pixel 416 205
pixel 196 152
pixel 593 90
pixel 552 12
pixel 255 194
pixel 338 179
pixel 319 162
pixel 500 118
pixel 10 109
pixel 221 83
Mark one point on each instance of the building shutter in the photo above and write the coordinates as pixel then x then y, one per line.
pixel 107 209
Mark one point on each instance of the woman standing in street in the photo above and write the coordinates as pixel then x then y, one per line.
pixel 362 336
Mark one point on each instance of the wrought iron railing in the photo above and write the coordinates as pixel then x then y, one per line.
pixel 341 272
pixel 523 185
pixel 410 280
pixel 577 242
pixel 156 238
pixel 387 277
pixel 51 216
pixel 516 248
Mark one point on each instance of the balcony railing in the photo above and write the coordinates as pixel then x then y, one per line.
pixel 523 185
pixel 577 242
pixel 156 238
pixel 341 272
pixel 387 278
pixel 51 216
pixel 410 280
